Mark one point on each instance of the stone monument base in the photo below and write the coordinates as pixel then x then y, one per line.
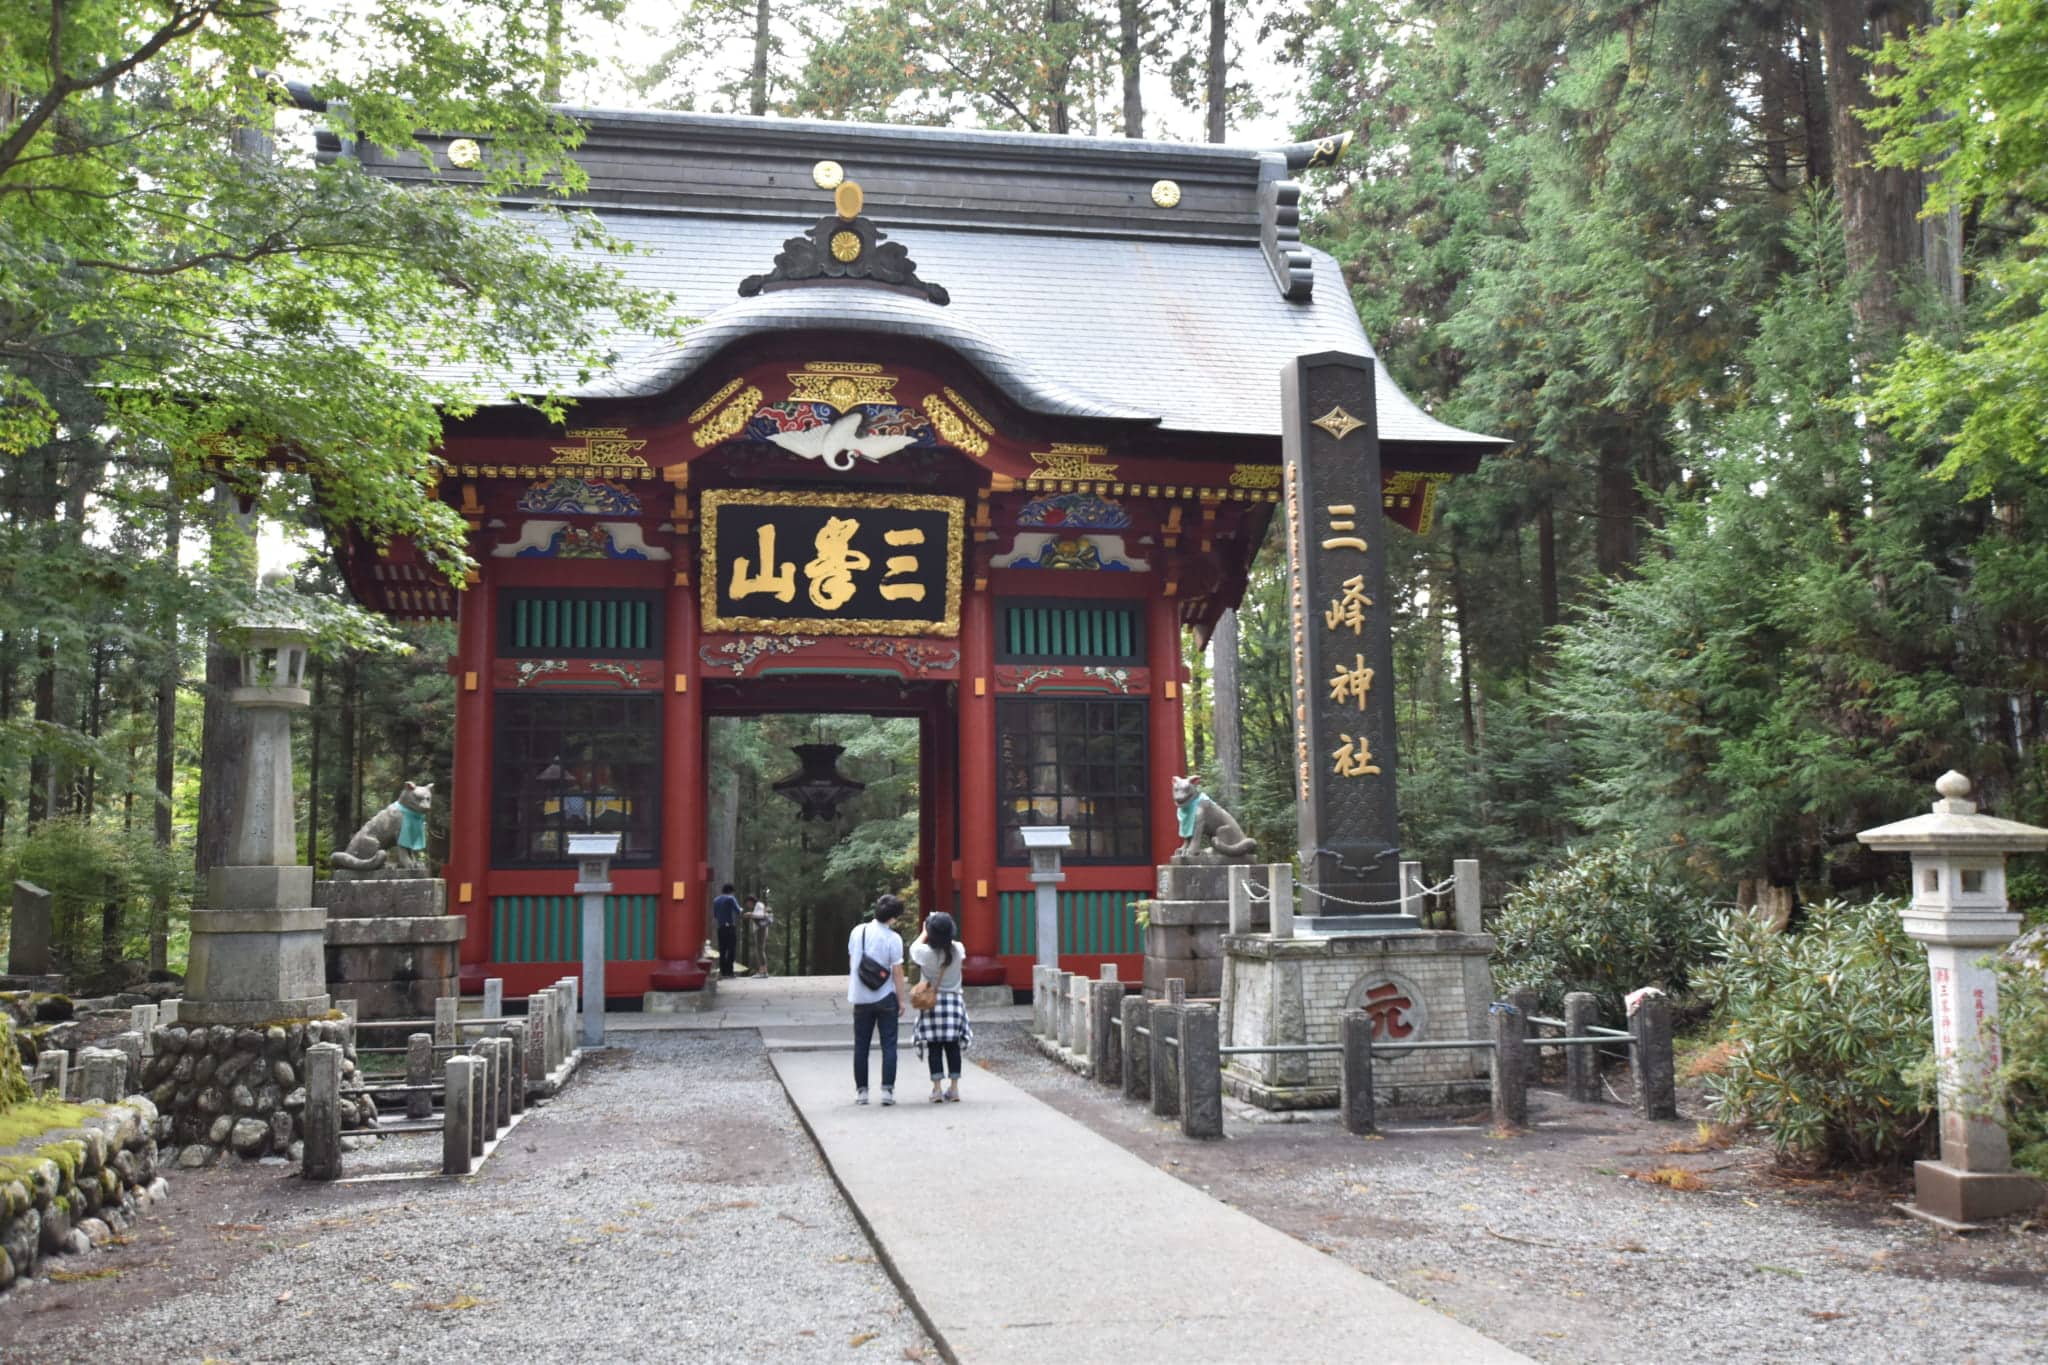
pixel 251 962
pixel 1185 927
pixel 391 944
pixel 242 1090
pixel 1961 1200
pixel 1420 984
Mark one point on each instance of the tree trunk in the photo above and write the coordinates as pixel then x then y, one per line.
pixel 757 83
pixel 1226 707
pixel 42 768
pixel 1880 205
pixel 1057 13
pixel 166 775
pixel 344 755
pixel 1464 650
pixel 551 62
pixel 1615 548
pixel 1546 564
pixel 8 674
pixel 1130 37
pixel 223 727
pixel 95 717
pixel 313 765
pixel 1219 65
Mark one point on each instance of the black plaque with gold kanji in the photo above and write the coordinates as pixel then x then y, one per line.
pixel 831 563
pixel 1341 642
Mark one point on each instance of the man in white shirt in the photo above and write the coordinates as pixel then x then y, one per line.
pixel 876 1007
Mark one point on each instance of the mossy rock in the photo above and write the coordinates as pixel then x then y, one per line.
pixel 13 1078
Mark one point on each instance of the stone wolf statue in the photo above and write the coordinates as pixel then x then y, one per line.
pixel 1208 832
pixel 392 839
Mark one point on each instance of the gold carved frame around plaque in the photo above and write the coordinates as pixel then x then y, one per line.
pixel 714 499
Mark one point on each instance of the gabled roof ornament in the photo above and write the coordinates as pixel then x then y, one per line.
pixel 844 246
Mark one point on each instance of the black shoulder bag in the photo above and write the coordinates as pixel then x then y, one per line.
pixel 872 973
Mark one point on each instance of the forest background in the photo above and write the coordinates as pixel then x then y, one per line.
pixel 1754 288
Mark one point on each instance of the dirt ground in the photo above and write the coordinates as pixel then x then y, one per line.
pixel 1597 1236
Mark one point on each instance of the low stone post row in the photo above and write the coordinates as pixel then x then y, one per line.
pixel 1164 1088
pixel 1581 1064
pixel 322 1157
pixel 1105 1038
pixel 1649 1024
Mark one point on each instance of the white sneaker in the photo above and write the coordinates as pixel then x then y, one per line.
pixel 888 1096
pixel 860 1097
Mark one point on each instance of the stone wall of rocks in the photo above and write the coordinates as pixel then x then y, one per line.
pixel 68 1190
pixel 242 1090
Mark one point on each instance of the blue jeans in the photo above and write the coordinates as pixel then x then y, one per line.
pixel 866 1019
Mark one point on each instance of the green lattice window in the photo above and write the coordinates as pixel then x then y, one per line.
pixel 1059 631
pixel 1092 923
pixel 579 625
pixel 550 928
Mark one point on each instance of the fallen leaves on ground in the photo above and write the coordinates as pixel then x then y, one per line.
pixel 74 1276
pixel 1671 1178
pixel 457 1304
pixel 1825 1315
pixel 1706 1137
pixel 863 1338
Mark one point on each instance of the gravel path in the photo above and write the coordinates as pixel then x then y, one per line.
pixel 1553 1243
pixel 667 1205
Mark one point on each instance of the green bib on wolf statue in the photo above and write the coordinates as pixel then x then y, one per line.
pixel 412 829
pixel 390 841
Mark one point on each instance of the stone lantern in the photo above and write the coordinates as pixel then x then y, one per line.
pixel 258 945
pixel 1045 843
pixel 593 854
pixel 1959 913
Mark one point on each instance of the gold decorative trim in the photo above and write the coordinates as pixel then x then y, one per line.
pixel 715 499
pixel 967 411
pixel 953 428
pixel 1255 476
pixel 549 471
pixel 843 386
pixel 463 153
pixel 826 175
pixel 846 246
pixel 842 367
pixel 608 447
pixel 1165 193
pixel 1068 461
pixel 1403 486
pixel 710 405
pixel 847 199
pixel 1338 423
pixel 730 421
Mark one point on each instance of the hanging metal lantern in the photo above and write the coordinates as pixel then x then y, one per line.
pixel 818 787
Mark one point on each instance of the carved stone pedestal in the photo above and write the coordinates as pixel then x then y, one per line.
pixel 391 945
pixel 1418 985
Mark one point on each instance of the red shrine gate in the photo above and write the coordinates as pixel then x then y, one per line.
pixel 993 505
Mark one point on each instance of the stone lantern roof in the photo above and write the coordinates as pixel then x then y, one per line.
pixel 1954 825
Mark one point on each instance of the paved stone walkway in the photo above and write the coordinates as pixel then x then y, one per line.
pixel 1023 1236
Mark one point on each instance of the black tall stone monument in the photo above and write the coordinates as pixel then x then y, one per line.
pixel 1342 646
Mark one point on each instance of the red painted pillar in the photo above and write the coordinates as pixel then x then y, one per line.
pixel 469 814
pixel 977 790
pixel 679 934
pixel 1167 737
pixel 943 797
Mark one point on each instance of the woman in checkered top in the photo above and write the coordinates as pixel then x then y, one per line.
pixel 942 1031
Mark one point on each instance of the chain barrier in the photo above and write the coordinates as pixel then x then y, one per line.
pixel 1437 890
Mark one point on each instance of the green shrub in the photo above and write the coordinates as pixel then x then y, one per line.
pixel 1829 1032
pixel 1606 921
pixel 2023 1062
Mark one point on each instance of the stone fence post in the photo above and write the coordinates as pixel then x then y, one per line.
pixel 419 1071
pixel 1656 1072
pixel 1105 1038
pixel 322 1158
pixel 1165 1086
pixel 494 997
pixel 1354 1078
pixel 515 1070
pixel 1581 1064
pixel 1137 1058
pixel 447 1032
pixel 1510 1069
pixel 458 1116
pixel 1201 1073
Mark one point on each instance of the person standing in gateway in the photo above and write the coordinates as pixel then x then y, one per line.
pixel 875 989
pixel 726 912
